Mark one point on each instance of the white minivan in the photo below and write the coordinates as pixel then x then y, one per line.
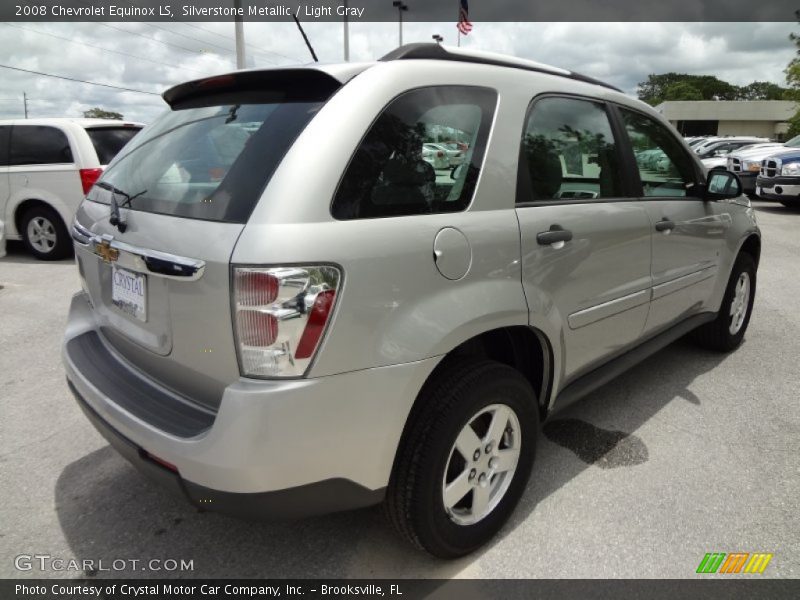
pixel 46 168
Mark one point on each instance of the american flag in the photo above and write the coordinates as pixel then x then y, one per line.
pixel 464 25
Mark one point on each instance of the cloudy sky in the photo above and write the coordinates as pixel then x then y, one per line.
pixel 153 56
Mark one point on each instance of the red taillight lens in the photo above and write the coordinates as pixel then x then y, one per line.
pixel 256 288
pixel 316 324
pixel 88 178
pixel 280 316
pixel 256 328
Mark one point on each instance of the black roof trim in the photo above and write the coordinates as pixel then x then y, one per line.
pixel 437 52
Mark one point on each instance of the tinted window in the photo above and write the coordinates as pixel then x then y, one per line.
pixel 664 167
pixel 406 164
pixel 209 162
pixel 107 141
pixel 39 145
pixel 568 151
pixel 5 134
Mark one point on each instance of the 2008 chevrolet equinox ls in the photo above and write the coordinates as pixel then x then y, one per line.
pixel 287 310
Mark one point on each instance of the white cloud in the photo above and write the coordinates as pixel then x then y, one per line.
pixel 621 53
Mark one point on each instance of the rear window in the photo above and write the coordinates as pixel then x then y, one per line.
pixel 108 141
pixel 209 162
pixel 39 145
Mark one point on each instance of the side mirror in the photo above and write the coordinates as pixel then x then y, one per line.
pixel 721 185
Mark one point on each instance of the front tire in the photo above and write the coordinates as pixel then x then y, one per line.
pixel 44 234
pixel 726 332
pixel 465 457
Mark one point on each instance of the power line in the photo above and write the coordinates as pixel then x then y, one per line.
pixel 147 37
pixel 291 58
pixel 101 48
pixel 195 39
pixel 106 85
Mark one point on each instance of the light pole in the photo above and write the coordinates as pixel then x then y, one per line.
pixel 346 35
pixel 401 7
pixel 437 38
pixel 239 33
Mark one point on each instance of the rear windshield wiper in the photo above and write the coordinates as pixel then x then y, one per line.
pixel 115 219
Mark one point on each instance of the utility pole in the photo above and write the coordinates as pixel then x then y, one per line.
pixel 401 8
pixel 346 35
pixel 25 103
pixel 239 32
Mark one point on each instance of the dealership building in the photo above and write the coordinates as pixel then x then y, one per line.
pixel 761 118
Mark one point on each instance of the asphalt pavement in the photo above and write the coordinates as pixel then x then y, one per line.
pixel 688 453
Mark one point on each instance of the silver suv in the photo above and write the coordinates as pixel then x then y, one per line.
pixel 286 310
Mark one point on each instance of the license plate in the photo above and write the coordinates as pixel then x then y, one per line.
pixel 129 292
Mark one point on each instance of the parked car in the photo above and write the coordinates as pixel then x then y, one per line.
pixel 454 153
pixel 46 167
pixel 451 315
pixel 779 178
pixel 720 161
pixel 724 146
pixel 747 164
pixel 435 156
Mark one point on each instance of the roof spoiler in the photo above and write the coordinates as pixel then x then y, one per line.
pixel 262 85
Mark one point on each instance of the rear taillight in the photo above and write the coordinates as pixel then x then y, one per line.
pixel 280 316
pixel 88 178
pixel 440 154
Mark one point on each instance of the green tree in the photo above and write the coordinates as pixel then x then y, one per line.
pixel 761 90
pixel 99 113
pixel 682 90
pixel 792 72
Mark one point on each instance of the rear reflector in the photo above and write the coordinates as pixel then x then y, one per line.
pixel 160 461
pixel 315 324
pixel 88 178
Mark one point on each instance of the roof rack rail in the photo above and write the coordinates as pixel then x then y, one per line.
pixel 439 52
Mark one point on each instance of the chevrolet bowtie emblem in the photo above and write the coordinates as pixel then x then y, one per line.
pixel 106 252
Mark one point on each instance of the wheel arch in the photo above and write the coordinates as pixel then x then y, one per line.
pixel 751 246
pixel 29 203
pixel 525 349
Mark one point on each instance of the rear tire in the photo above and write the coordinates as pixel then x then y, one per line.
pixel 469 402
pixel 44 234
pixel 726 332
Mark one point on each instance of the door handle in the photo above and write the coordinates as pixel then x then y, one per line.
pixel 556 235
pixel 665 225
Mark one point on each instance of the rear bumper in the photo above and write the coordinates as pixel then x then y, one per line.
pixel 779 188
pixel 275 449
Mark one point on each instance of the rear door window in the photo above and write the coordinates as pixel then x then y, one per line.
pixel 422 155
pixel 108 141
pixel 39 145
pixel 568 152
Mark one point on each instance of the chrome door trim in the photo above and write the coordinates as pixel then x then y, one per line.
pixel 674 285
pixel 589 315
pixel 143 260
